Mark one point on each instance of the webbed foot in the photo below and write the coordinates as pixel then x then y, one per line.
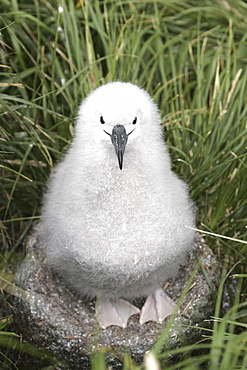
pixel 157 307
pixel 115 312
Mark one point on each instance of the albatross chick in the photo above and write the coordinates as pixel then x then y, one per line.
pixel 114 215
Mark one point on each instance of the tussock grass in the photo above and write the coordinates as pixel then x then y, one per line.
pixel 190 56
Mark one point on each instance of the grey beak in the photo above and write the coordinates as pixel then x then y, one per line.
pixel 119 139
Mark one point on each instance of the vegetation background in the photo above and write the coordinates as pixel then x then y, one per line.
pixel 191 56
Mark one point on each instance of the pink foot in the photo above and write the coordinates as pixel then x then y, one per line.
pixel 115 312
pixel 157 307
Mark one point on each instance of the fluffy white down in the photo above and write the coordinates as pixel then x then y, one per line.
pixel 122 231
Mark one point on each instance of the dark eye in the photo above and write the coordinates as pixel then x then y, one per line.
pixel 102 120
pixel 134 121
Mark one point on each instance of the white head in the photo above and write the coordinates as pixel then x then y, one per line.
pixel 117 113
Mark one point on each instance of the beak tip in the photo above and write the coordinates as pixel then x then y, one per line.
pixel 120 159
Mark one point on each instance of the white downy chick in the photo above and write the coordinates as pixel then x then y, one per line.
pixel 114 215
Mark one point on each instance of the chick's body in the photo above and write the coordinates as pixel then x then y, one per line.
pixel 119 231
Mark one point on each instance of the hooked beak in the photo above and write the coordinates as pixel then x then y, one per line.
pixel 119 139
